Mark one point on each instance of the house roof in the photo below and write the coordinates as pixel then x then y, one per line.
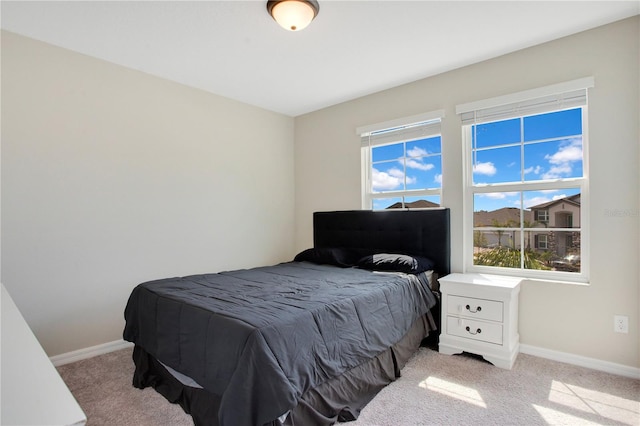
pixel 573 199
pixel 419 204
pixel 501 216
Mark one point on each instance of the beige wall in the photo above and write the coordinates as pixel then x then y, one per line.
pixel 111 177
pixel 560 317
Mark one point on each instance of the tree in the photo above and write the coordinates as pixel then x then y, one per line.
pixel 506 257
pixel 479 239
pixel 500 232
pixel 528 224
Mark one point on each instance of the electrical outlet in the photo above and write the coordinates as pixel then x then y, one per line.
pixel 621 324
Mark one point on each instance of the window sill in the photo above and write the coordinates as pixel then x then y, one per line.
pixel 525 277
pixel 556 281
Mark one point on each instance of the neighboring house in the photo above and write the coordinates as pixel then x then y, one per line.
pixel 503 216
pixel 506 217
pixel 419 204
pixel 558 214
pixel 563 213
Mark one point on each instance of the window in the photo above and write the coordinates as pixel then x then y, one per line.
pixel 526 178
pixel 568 220
pixel 402 163
pixel 541 216
pixel 542 242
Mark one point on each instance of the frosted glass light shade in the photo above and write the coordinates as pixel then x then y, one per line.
pixel 293 15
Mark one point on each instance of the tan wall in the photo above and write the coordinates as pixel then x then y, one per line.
pixel 559 210
pixel 111 177
pixel 567 318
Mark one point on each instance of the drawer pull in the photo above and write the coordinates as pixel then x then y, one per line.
pixel 478 309
pixel 478 331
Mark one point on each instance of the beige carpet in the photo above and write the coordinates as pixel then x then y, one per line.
pixel 434 389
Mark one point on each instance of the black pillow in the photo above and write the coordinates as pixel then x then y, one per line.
pixel 396 263
pixel 342 257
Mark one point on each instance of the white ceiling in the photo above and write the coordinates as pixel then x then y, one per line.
pixel 353 48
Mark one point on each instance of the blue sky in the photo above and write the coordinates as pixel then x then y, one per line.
pixel 539 147
pixel 421 167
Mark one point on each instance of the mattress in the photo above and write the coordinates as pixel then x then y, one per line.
pixel 261 339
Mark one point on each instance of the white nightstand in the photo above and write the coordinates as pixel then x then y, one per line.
pixel 480 316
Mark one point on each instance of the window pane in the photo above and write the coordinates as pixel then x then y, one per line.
pixel 553 160
pixel 553 125
pixel 499 246
pixel 416 202
pixel 552 209
pixel 387 177
pixel 496 209
pixel 423 147
pixel 497 165
pixel 393 169
pixel 387 152
pixel 387 203
pixel 501 256
pixel 545 247
pixel 554 250
pixel 535 244
pixel 425 172
pixel 496 133
pixel 422 201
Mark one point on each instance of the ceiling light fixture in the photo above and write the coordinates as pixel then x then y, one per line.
pixel 293 15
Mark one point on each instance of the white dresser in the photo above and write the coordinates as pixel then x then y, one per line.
pixel 480 316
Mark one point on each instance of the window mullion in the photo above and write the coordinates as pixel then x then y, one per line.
pixel 528 186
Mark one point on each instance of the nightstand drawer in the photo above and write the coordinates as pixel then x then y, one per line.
pixel 475 308
pixel 476 330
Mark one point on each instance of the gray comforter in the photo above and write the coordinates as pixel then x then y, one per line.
pixel 260 338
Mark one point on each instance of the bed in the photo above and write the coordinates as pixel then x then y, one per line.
pixel 306 342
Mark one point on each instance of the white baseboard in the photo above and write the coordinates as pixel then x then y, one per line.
pixel 582 361
pixel 90 352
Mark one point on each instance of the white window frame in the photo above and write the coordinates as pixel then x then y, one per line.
pixel 398 130
pixel 535 101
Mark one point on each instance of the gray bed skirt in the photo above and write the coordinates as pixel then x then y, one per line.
pixel 338 399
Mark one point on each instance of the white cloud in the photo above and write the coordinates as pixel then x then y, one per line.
pixel 485 168
pixel 557 172
pixel 567 153
pixel 438 178
pixel 396 173
pixel 414 160
pixel 389 180
pixel 418 164
pixel 496 195
pixel 416 152
pixel 499 195
pixel 535 170
pixel 561 161
pixel 383 181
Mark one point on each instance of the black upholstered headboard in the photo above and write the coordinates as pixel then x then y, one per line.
pixel 417 232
